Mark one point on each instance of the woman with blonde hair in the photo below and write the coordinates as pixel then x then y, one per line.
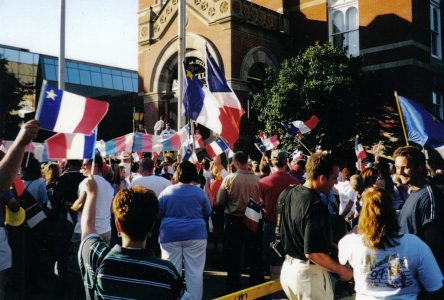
pixel 387 264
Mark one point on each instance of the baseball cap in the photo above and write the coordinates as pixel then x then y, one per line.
pixel 279 155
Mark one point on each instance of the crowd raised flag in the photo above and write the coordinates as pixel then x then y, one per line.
pixel 359 150
pixel 422 127
pixel 297 128
pixel 267 144
pixel 216 147
pixel 118 145
pixel 70 146
pixel 65 112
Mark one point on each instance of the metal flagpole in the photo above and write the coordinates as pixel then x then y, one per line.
pixel 61 75
pixel 180 60
pixel 402 118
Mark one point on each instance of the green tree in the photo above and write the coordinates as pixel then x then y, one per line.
pixel 321 81
pixel 11 93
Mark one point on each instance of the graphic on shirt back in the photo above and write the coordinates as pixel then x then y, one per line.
pixel 392 271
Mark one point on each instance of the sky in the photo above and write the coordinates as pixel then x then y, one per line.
pixel 97 31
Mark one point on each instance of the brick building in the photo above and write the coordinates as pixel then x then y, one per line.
pixel 400 42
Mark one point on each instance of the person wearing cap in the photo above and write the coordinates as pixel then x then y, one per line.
pixel 306 235
pixel 270 187
pixel 9 167
pixel 234 194
pixel 148 179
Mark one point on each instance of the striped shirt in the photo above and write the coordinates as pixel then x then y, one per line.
pixel 122 273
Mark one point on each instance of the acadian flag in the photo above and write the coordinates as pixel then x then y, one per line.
pixel 300 127
pixel 216 147
pixel 359 150
pixel 267 144
pixel 120 144
pixel 422 127
pixel 71 146
pixel 200 105
pixel 253 215
pixel 188 153
pixel 145 142
pixel 229 105
pixel 65 112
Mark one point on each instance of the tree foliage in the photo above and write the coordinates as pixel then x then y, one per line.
pixel 11 93
pixel 320 81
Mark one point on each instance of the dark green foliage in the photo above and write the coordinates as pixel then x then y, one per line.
pixel 320 81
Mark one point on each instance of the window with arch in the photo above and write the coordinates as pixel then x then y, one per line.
pixel 435 28
pixel 344 25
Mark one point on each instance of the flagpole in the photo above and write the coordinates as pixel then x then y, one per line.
pixel 302 144
pixel 96 130
pixel 402 118
pixel 180 60
pixel 61 75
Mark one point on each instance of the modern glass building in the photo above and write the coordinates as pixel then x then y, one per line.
pixel 119 87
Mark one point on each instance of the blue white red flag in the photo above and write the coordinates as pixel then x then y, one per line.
pixel 38 149
pixel 200 105
pixel 422 127
pixel 253 215
pixel 229 105
pixel 71 146
pixel 65 112
pixel 300 127
pixel 118 145
pixel 359 150
pixel 267 144
pixel 188 153
pixel 216 147
pixel 145 142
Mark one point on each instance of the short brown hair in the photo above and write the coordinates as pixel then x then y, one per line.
pixel 136 211
pixel 320 164
pixel 414 154
pixel 377 221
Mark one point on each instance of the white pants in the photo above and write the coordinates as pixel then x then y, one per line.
pixel 303 281
pixel 193 253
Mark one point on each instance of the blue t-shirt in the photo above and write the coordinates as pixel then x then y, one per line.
pixel 421 208
pixel 183 210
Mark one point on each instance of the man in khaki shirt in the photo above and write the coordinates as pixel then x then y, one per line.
pixel 235 192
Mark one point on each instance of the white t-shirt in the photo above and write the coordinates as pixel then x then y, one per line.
pixel 153 182
pixel 346 194
pixel 105 194
pixel 394 273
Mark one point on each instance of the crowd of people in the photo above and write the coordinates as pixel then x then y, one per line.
pixel 138 230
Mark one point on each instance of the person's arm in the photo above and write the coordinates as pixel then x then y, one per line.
pixel 89 210
pixel 325 261
pixel 10 164
pixel 77 205
pixel 222 194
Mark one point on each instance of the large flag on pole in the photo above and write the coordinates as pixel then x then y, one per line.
pixel 65 112
pixel 71 146
pixel 422 127
pixel 229 105
pixel 200 105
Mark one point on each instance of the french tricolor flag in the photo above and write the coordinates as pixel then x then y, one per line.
pixel 65 112
pixel 70 146
pixel 120 144
pixel 216 147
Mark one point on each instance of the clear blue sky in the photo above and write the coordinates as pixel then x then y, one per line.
pixel 97 31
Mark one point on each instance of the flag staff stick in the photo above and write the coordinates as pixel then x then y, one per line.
pixel 302 144
pixel 402 118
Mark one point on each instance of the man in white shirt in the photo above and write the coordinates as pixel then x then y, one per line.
pixel 159 126
pixel 155 183
pixel 167 132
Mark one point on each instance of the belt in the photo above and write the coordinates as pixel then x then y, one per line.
pixel 292 260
